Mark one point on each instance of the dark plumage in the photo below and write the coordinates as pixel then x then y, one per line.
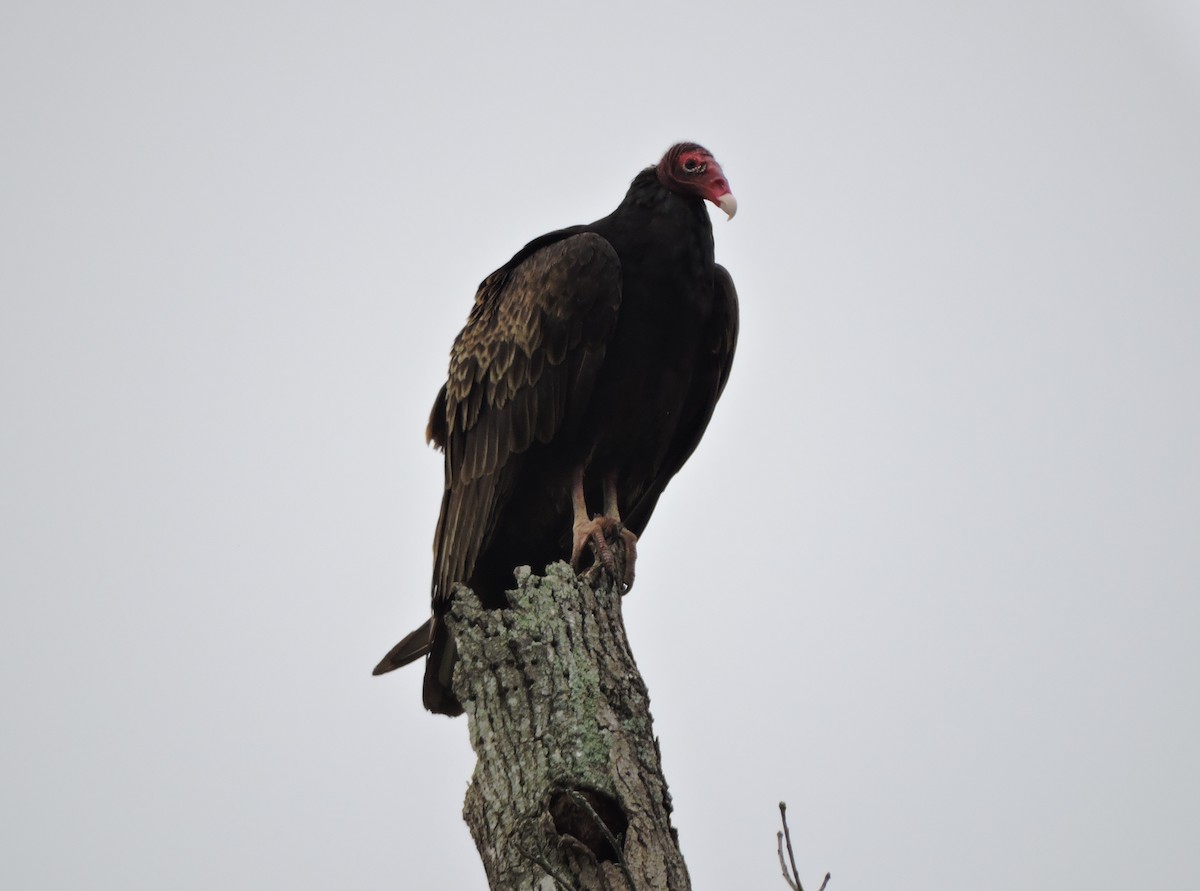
pixel 584 378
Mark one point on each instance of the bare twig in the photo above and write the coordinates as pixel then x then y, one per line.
pixel 783 863
pixel 546 867
pixel 793 879
pixel 787 834
pixel 617 847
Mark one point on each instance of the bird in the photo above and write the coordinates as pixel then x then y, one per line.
pixel 585 375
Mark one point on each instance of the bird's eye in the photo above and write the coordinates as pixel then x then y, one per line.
pixel 691 165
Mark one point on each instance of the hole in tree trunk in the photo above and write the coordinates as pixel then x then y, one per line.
pixel 572 818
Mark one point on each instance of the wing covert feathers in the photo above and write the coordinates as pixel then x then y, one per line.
pixel 529 351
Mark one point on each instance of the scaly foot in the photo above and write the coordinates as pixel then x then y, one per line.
pixel 614 547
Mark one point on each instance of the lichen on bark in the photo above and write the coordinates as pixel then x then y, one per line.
pixel 568 790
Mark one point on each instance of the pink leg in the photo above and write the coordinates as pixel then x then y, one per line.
pixel 596 531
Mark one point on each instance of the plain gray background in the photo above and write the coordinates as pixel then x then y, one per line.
pixel 931 577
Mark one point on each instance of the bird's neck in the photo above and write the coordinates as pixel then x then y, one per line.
pixel 662 217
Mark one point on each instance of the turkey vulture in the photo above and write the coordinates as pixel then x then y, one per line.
pixel 587 371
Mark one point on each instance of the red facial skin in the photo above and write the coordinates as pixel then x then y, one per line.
pixel 690 169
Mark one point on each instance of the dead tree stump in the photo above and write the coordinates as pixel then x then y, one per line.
pixel 568 791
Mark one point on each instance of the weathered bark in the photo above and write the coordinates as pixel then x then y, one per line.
pixel 568 790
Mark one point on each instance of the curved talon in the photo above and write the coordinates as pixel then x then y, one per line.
pixel 593 532
pixel 616 557
pixel 630 542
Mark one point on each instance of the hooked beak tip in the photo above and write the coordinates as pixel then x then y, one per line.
pixel 728 204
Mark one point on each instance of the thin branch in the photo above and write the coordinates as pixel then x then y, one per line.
pixel 546 867
pixel 787 834
pixel 618 848
pixel 783 863
pixel 793 880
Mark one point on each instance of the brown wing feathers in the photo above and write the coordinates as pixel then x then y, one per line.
pixel 533 336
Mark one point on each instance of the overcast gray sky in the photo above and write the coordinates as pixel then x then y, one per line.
pixel 932 577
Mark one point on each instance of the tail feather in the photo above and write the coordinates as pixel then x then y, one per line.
pixel 434 640
pixel 415 645
pixel 438 672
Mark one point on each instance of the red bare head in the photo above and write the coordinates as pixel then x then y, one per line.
pixel 689 169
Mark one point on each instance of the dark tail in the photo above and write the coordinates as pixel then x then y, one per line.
pixel 432 639
pixel 412 648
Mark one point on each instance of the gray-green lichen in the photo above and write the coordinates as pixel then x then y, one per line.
pixel 554 701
